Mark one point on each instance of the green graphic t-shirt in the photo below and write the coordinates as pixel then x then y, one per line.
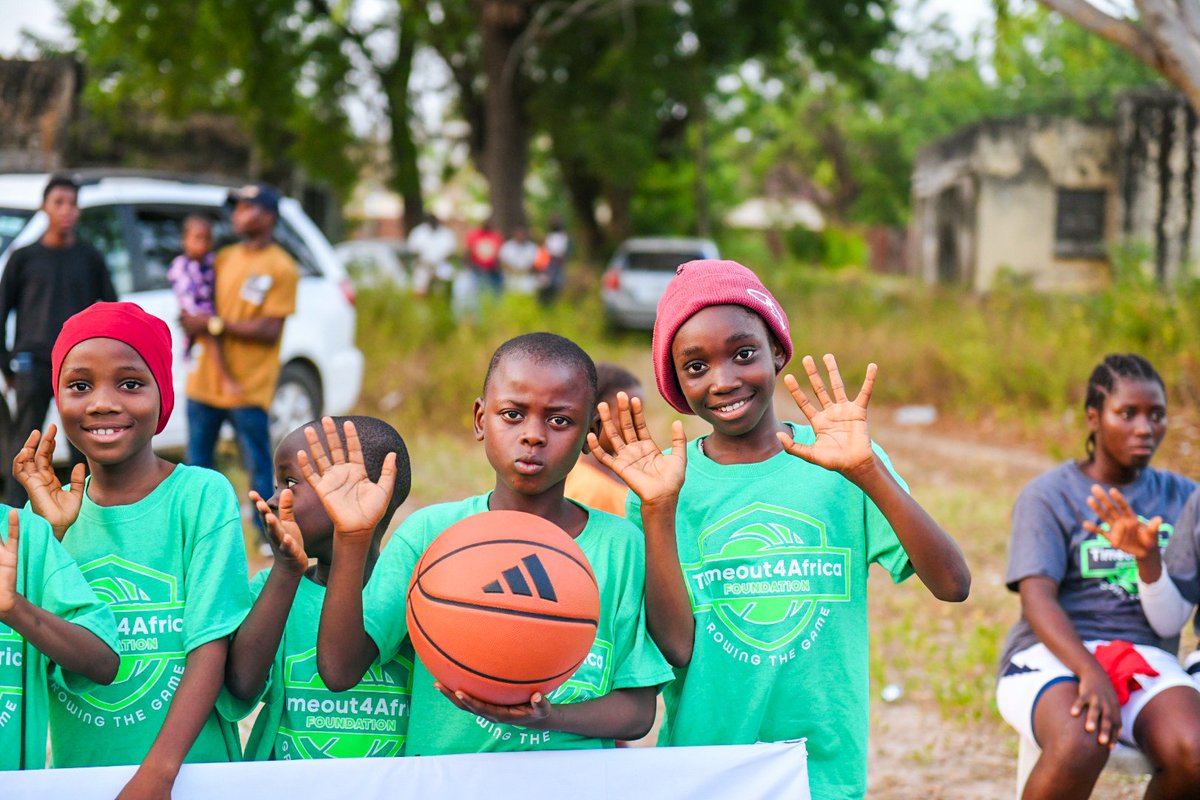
pixel 48 578
pixel 622 657
pixel 775 558
pixel 300 718
pixel 172 567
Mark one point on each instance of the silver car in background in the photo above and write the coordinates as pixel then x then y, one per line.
pixel 638 275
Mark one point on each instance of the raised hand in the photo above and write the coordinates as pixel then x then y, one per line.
pixel 526 714
pixel 1126 531
pixel 285 536
pixel 840 424
pixel 340 479
pixel 34 469
pixel 652 475
pixel 8 564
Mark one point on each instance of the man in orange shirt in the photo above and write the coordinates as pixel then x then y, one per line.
pixel 255 292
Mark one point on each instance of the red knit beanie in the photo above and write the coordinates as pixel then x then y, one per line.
pixel 128 323
pixel 696 286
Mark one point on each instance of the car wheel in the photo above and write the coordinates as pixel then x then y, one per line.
pixel 297 400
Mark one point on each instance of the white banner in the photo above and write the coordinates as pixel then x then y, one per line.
pixel 741 772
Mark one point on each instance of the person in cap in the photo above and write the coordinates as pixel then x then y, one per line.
pixel 759 600
pixel 255 292
pixel 161 543
pixel 44 284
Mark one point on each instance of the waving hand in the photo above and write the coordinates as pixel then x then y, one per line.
pixel 636 459
pixel 340 479
pixel 34 469
pixel 842 441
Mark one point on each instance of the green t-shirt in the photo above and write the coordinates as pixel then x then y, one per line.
pixel 48 578
pixel 775 557
pixel 172 567
pixel 300 718
pixel 622 657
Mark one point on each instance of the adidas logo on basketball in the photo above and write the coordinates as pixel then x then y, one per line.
pixel 513 581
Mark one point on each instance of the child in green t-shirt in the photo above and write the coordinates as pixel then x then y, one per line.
pixel 161 543
pixel 537 406
pixel 274 652
pixel 758 598
pixel 50 622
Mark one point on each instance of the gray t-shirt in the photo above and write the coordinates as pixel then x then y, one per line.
pixel 1182 556
pixel 1097 584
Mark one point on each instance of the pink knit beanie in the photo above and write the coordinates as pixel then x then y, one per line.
pixel 696 286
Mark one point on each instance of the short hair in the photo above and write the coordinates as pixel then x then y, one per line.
pixel 196 217
pixel 549 348
pixel 60 182
pixel 1114 367
pixel 612 378
pixel 377 438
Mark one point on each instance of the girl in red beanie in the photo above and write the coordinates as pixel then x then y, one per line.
pixel 760 602
pixel 160 542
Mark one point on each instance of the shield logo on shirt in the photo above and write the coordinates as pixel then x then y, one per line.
pixel 765 573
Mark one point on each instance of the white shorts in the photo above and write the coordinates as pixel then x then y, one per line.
pixel 1036 669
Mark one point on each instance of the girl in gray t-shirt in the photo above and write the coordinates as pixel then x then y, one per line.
pixel 1079 592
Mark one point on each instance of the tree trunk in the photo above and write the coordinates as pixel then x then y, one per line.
pixel 506 140
pixel 620 201
pixel 406 176
pixel 583 190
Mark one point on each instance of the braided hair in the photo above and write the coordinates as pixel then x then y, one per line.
pixel 1114 367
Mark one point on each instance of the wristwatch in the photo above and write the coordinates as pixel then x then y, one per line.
pixel 216 326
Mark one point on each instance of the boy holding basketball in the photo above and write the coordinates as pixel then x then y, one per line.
pixel 533 417
pixel 273 654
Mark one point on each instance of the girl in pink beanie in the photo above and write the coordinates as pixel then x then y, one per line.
pixel 760 601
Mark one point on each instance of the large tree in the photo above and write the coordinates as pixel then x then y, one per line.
pixel 1165 35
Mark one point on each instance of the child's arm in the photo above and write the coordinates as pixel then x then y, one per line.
pixel 252 651
pixel 1040 606
pixel 193 702
pixel 33 468
pixel 72 647
pixel 843 444
pixel 656 479
pixel 355 505
pixel 1166 609
pixel 621 714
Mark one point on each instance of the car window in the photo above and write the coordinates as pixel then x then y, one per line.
pixel 158 229
pixel 291 241
pixel 659 261
pixel 100 226
pixel 12 222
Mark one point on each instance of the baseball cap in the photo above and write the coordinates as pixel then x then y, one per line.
pixel 260 194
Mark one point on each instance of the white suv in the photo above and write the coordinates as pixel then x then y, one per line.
pixel 135 223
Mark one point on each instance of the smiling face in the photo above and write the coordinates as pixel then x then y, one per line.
pixel 533 419
pixel 108 400
pixel 1130 425
pixel 311 517
pixel 726 363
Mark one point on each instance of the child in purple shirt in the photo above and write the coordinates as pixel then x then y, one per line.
pixel 194 282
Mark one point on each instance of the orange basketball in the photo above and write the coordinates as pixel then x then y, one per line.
pixel 501 605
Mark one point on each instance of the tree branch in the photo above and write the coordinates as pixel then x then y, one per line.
pixel 1122 32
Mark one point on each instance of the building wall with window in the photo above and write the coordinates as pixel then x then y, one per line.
pixel 1030 200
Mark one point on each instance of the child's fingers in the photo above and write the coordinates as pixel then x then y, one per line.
pixel 639 419
pixel 259 503
pixel 1119 501
pixel 311 477
pixel 1101 504
pixel 353 446
pixel 628 431
pixel 864 394
pixel 818 384
pixel 387 475
pixel 793 447
pixel 1090 527
pixel 335 444
pixel 610 427
pixel 316 448
pixel 287 500
pixel 25 455
pixel 14 532
pixel 593 442
pixel 805 405
pixel 835 378
pixel 78 473
pixel 1091 720
pixel 678 439
pixel 44 454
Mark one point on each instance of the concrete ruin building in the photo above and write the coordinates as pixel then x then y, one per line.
pixel 1046 200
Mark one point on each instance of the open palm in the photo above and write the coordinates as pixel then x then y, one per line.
pixel 339 477
pixel 287 541
pixel 843 442
pixel 1126 530
pixel 652 474
pixel 33 468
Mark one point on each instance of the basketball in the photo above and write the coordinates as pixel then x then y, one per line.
pixel 503 604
